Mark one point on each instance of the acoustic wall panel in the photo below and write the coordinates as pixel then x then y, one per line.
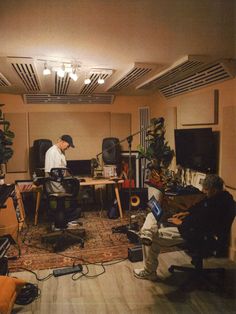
pixel 88 129
pixel 198 109
pixel 121 127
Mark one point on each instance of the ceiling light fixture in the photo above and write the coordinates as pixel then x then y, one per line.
pixel 73 75
pixel 46 70
pixel 101 80
pixel 72 68
pixel 87 81
pixel 61 71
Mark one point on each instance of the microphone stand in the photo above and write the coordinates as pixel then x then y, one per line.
pixel 129 139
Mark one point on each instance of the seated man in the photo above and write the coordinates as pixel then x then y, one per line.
pixel 215 210
pixel 55 158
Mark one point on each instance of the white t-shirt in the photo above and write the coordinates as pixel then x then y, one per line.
pixel 54 158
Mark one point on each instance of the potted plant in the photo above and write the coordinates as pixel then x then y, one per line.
pixel 158 154
pixel 6 137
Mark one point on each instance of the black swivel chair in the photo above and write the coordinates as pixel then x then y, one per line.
pixel 205 245
pixel 65 210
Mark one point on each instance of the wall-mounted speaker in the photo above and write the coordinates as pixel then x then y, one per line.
pixel 138 198
pixel 111 151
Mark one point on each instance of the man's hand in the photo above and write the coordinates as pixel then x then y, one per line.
pixel 175 221
pixel 181 215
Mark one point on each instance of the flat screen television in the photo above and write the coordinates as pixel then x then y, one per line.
pixel 197 149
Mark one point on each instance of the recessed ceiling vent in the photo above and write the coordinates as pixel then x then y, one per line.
pixel 61 84
pixel 3 81
pixel 190 74
pixel 137 72
pixel 68 99
pixel 26 70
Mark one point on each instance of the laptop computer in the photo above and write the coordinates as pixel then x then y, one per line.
pixel 155 208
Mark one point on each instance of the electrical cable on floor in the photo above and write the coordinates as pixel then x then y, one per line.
pixel 36 276
pixel 27 294
pixel 75 276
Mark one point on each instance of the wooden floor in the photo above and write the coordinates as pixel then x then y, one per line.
pixel 118 291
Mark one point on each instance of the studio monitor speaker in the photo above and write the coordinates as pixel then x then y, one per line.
pixel 138 198
pixel 111 151
pixel 39 150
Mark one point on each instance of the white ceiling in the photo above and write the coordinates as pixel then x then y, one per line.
pixel 137 39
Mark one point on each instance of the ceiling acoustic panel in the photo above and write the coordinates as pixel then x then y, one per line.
pixel 89 88
pixel 140 70
pixel 3 81
pixel 62 84
pixel 189 74
pixel 27 73
pixel 68 99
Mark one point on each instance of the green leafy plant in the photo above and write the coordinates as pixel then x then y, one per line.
pixel 158 153
pixel 6 140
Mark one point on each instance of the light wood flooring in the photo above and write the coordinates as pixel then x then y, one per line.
pixel 118 291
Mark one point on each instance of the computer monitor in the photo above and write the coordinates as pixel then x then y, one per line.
pixel 80 168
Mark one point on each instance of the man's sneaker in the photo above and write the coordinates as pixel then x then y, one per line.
pixel 144 274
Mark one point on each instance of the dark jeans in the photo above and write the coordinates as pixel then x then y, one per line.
pixel 62 215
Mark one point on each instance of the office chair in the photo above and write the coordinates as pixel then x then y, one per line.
pixel 61 237
pixel 203 246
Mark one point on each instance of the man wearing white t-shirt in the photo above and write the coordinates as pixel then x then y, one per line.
pixel 55 158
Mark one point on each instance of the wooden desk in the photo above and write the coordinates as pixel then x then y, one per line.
pixel 91 182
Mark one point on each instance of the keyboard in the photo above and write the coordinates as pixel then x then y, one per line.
pixel 182 190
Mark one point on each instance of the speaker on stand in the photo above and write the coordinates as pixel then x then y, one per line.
pixel 111 154
pixel 39 150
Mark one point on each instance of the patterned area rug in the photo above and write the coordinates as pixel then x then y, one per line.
pixel 100 245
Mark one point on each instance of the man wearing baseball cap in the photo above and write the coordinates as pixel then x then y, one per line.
pixel 55 155
pixel 55 158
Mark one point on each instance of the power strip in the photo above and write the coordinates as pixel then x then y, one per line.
pixel 67 271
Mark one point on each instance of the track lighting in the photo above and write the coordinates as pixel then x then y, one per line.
pixel 101 80
pixel 61 71
pixel 73 75
pixel 98 75
pixel 87 81
pixel 46 70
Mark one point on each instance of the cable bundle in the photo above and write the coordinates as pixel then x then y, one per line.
pixel 27 294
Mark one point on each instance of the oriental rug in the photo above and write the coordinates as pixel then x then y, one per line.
pixel 100 245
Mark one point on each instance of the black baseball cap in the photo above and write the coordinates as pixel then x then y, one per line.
pixel 67 138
